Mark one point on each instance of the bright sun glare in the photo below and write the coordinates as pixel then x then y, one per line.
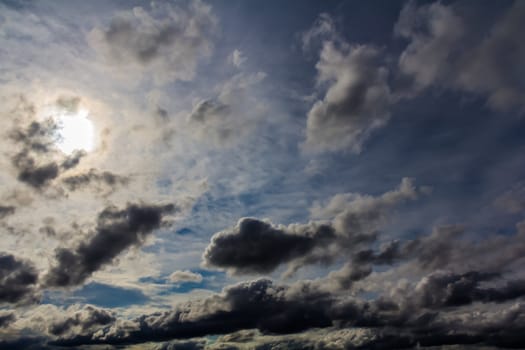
pixel 76 132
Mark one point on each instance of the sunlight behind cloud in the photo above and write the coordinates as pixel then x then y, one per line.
pixel 76 132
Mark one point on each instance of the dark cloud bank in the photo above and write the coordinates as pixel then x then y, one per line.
pixel 463 292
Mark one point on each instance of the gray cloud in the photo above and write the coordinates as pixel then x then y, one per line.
pixel 356 100
pixel 185 276
pixel 6 210
pixel 353 220
pixel 166 40
pixel 18 280
pixel 116 231
pixel 83 321
pixel 104 181
pixel 36 162
pixel 445 50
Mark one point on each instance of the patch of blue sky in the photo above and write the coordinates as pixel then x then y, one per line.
pixel 98 294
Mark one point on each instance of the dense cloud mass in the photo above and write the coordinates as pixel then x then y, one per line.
pixel 116 231
pixel 354 220
pixel 235 175
pixel 18 280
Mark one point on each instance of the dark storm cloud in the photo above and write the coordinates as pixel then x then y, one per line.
pixel 353 222
pixel 18 279
pixel 446 50
pixel 116 231
pixel 104 180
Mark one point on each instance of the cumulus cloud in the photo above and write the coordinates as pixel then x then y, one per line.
pixel 18 279
pixel 353 219
pixel 185 276
pixel 116 231
pixel 165 40
pixel 77 321
pixel 445 50
pixel 356 99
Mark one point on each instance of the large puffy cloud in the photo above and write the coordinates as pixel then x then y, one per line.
pixel 280 309
pixel 18 280
pixel 164 40
pixel 255 246
pixel 444 49
pixel 356 100
pixel 116 231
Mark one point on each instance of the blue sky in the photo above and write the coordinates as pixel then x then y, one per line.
pixel 292 174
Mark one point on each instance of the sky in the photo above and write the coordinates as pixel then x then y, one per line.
pixel 234 175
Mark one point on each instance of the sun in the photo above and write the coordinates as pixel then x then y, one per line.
pixel 75 132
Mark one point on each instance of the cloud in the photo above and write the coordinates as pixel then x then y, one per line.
pixel 165 40
pixel 185 276
pixel 513 200
pixel 353 220
pixel 356 100
pixel 104 181
pixel 6 211
pixel 229 116
pixel 18 279
pixel 6 318
pixel 237 58
pixel 255 304
pixel 82 321
pixel 116 231
pixel 36 161
pixel 445 50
